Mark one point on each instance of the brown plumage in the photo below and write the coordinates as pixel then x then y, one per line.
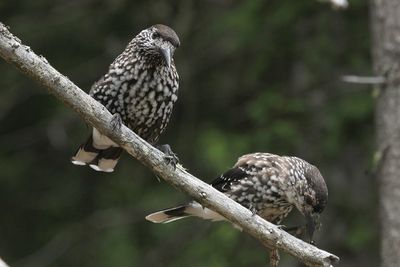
pixel 140 86
pixel 267 184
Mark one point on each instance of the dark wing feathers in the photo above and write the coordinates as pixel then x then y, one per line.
pixel 223 182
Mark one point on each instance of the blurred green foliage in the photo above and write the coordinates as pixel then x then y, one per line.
pixel 256 75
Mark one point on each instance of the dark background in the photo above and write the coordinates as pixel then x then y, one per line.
pixel 256 75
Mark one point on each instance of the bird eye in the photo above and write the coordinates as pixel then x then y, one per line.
pixel 155 35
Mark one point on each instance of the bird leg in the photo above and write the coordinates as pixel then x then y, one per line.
pixel 274 257
pixel 170 157
pixel 253 210
pixel 116 122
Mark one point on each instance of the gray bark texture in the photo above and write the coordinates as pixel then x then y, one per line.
pixel 37 67
pixel 385 23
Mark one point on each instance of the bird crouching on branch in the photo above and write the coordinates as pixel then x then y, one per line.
pixel 140 89
pixel 268 185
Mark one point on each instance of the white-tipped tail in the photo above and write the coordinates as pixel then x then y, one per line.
pixel 191 209
pixel 83 157
pixel 99 168
pixel 168 215
pixel 99 152
pixel 107 165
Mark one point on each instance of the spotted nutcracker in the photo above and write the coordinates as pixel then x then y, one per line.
pixel 268 185
pixel 140 88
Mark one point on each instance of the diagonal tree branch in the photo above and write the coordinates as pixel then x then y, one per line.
pixel 37 67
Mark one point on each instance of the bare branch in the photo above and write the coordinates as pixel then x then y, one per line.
pixel 22 57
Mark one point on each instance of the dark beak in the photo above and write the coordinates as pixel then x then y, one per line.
pixel 166 54
pixel 312 223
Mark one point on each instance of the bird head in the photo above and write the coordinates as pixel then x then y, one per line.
pixel 158 43
pixel 313 199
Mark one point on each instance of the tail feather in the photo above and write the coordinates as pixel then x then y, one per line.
pixel 99 152
pixel 106 160
pixel 86 153
pixel 180 212
pixel 168 215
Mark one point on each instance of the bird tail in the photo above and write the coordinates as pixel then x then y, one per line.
pixel 169 215
pixel 183 211
pixel 98 152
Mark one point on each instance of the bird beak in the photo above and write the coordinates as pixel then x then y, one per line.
pixel 312 221
pixel 166 54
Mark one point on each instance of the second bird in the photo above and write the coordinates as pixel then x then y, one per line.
pixel 141 88
pixel 267 184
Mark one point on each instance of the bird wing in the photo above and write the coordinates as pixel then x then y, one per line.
pixel 224 182
pixel 246 166
pixel 263 165
pixel 104 91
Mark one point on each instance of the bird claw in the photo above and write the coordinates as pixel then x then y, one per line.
pixel 253 210
pixel 170 157
pixel 116 122
pixel 171 160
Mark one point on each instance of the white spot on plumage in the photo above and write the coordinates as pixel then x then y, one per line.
pixel 78 162
pixel 97 168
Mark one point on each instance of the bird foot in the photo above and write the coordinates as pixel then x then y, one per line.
pixel 170 157
pixel 253 210
pixel 116 122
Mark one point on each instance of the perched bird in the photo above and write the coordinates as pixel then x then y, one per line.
pixel 268 185
pixel 140 88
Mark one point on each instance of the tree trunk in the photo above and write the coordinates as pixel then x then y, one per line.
pixel 385 21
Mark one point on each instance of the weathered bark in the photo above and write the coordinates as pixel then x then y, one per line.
pixel 385 23
pixel 12 50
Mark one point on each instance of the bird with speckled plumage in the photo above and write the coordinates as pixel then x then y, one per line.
pixel 269 185
pixel 140 89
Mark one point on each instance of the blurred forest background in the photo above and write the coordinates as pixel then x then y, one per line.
pixel 256 75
